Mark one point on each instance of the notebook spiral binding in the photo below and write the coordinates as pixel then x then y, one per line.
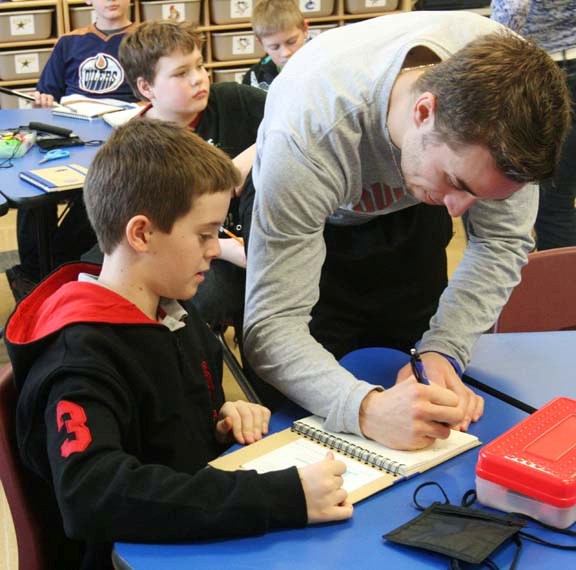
pixel 350 449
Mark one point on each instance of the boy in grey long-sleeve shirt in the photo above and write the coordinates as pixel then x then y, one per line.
pixel 345 249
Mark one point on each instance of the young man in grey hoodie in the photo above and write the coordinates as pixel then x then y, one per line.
pixel 370 128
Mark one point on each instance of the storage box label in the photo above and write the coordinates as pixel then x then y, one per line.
pixel 243 45
pixel 25 63
pixel 376 3
pixel 22 25
pixel 240 8
pixel 310 5
pixel 174 12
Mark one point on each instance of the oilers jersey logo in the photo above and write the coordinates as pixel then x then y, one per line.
pixel 100 74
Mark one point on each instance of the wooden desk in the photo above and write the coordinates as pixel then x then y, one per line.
pixel 21 194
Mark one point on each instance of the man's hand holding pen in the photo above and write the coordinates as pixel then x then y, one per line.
pixel 433 368
pixel 427 401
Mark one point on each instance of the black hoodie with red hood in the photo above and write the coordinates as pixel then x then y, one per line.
pixel 117 413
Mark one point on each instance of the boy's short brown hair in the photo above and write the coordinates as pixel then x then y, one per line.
pixel 273 16
pixel 155 168
pixel 507 94
pixel 141 48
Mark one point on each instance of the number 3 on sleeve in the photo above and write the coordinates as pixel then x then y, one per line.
pixel 73 418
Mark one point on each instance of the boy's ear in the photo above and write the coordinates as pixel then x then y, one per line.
pixel 144 88
pixel 138 232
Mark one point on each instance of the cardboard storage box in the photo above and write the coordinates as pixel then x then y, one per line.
pixel 235 45
pixel 25 26
pixel 13 102
pixel 314 31
pixel 81 16
pixel 366 6
pixel 231 11
pixel 316 8
pixel 183 10
pixel 230 75
pixel 531 468
pixel 23 64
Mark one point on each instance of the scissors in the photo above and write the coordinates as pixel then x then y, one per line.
pixel 55 154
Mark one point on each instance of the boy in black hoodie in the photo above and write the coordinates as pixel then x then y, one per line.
pixel 121 403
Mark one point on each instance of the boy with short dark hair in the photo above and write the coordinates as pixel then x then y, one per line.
pixel 164 66
pixel 281 30
pixel 121 403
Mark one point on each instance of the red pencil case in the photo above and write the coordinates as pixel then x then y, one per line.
pixel 531 468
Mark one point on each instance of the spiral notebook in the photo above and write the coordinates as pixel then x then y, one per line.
pixel 371 466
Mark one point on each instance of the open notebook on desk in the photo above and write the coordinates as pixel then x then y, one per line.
pixel 371 466
pixel 87 109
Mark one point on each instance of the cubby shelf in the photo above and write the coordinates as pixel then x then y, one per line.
pixel 62 23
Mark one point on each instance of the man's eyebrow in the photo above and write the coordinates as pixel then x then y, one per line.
pixel 464 187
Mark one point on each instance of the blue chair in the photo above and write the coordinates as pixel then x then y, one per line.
pixel 375 365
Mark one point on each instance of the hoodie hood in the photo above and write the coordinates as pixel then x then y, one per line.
pixel 58 302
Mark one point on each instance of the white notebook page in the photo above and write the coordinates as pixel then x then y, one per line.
pixel 304 452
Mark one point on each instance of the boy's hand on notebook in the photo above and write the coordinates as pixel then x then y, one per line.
pixel 43 99
pixel 325 496
pixel 409 415
pixel 441 373
pixel 242 422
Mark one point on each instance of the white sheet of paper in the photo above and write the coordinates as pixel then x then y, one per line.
pixel 304 452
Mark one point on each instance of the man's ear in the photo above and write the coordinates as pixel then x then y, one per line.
pixel 145 88
pixel 424 110
pixel 139 231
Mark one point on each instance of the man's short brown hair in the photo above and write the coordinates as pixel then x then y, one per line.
pixel 273 16
pixel 154 168
pixel 507 94
pixel 141 49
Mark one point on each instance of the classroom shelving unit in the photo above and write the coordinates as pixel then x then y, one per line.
pixel 11 10
pixel 63 23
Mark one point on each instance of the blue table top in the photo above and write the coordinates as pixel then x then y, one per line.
pixel 532 368
pixel 357 542
pixel 22 194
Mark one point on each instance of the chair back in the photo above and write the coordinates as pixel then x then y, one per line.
pixel 15 480
pixel 545 299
